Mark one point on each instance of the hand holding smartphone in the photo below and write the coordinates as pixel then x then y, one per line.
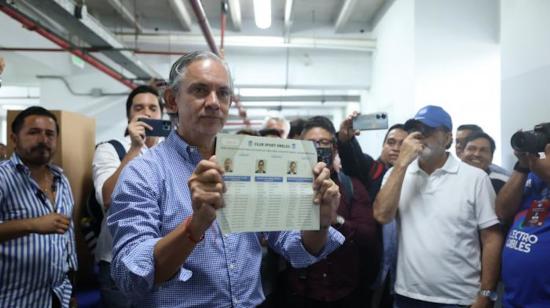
pixel 371 121
pixel 161 128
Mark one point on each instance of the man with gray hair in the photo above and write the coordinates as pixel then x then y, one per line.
pixel 278 123
pixel 168 250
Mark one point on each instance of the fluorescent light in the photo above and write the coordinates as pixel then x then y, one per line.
pixel 262 13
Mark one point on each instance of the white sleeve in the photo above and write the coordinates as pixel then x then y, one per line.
pixel 485 203
pixel 386 176
pixel 105 163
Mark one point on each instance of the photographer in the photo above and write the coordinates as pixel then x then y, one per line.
pixel 525 198
pixel 142 102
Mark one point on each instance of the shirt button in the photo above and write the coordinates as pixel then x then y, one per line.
pixel 231 266
pixel 324 275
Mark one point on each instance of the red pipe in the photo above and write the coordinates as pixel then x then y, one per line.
pixel 223 20
pixel 205 26
pixel 31 25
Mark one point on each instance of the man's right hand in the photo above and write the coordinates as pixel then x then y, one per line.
pixel 541 166
pixel 51 223
pixel 347 132
pixel 207 187
pixel 523 158
pixel 136 130
pixel 410 149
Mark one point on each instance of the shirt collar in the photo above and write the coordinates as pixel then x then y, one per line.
pixel 450 166
pixel 180 145
pixel 20 166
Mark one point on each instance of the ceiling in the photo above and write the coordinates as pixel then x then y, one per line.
pixel 118 33
pixel 160 16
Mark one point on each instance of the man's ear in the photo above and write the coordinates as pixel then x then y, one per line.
pixel 13 138
pixel 170 101
pixel 449 140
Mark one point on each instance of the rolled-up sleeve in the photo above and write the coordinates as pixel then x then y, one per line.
pixel 290 246
pixel 134 222
pixel 105 163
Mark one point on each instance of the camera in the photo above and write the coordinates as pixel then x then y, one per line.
pixel 532 141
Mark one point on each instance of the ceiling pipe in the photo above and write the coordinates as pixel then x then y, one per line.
pixel 136 51
pixel 25 49
pixel 31 25
pixel 223 20
pixel 205 26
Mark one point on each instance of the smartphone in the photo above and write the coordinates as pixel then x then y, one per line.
pixel 161 128
pixel 325 155
pixel 371 121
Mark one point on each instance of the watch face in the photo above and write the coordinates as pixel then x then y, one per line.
pixel 492 295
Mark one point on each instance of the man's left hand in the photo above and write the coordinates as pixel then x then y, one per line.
pixel 541 166
pixel 326 194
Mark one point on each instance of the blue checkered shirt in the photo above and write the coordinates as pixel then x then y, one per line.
pixel 34 266
pixel 150 200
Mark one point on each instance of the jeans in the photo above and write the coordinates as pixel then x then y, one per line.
pixel 111 296
pixel 407 302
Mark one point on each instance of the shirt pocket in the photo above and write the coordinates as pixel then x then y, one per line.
pixel 15 211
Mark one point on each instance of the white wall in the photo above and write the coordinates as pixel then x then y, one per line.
pixel 438 52
pixel 525 43
pixel 457 61
pixel 393 82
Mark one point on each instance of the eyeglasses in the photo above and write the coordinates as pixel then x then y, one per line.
pixel 325 143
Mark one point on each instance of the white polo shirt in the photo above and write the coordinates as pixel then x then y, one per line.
pixel 438 223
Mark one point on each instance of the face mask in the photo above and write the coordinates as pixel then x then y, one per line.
pixel 324 155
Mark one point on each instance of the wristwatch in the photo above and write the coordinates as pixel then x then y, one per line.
pixel 340 221
pixel 492 295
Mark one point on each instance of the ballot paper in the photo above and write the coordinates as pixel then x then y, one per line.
pixel 269 184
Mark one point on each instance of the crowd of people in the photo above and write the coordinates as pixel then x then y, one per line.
pixel 418 226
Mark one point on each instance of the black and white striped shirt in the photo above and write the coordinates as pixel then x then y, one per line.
pixel 34 266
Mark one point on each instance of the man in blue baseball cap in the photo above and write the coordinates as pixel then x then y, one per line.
pixel 449 240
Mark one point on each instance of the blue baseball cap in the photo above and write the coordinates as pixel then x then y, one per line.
pixel 432 116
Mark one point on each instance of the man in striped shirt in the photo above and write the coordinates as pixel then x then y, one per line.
pixel 37 250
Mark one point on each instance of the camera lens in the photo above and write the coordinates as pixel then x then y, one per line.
pixel 528 142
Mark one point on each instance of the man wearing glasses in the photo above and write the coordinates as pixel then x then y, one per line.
pixel 449 239
pixel 338 280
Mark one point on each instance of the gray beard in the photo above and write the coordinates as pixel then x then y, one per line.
pixel 429 153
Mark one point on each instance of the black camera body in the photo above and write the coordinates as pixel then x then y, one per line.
pixel 532 141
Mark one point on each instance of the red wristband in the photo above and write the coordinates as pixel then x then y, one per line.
pixel 188 232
